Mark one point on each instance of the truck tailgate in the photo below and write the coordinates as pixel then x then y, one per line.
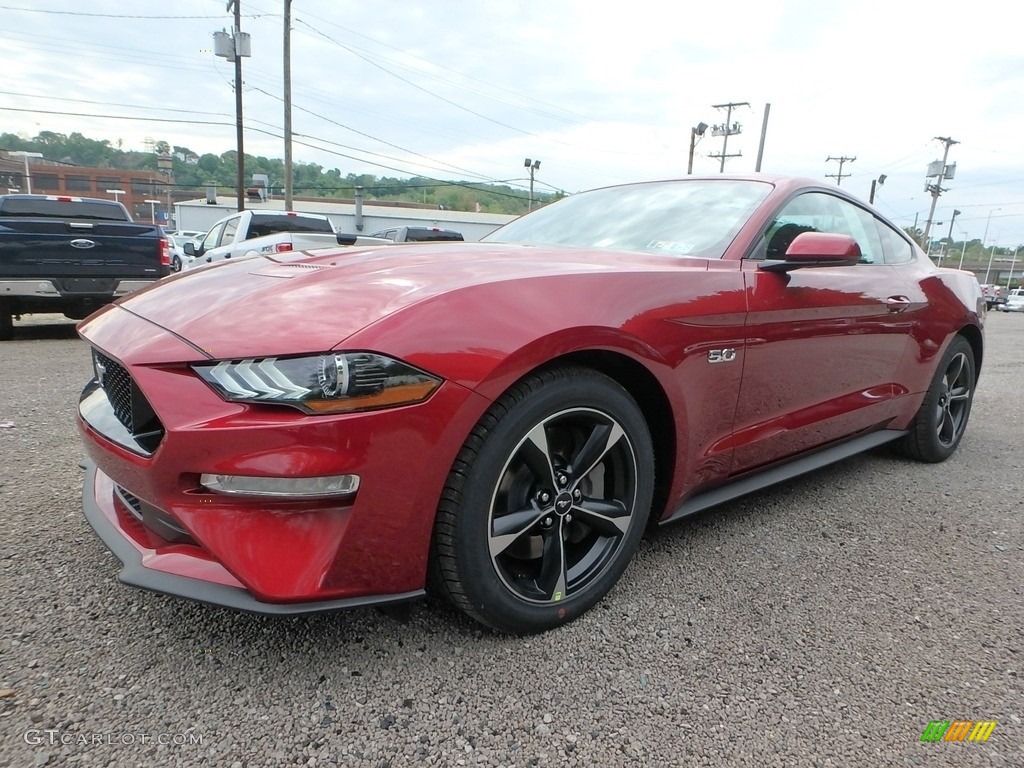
pixel 78 252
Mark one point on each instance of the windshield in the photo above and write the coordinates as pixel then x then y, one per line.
pixel 684 218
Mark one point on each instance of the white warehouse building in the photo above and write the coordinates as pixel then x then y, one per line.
pixel 200 216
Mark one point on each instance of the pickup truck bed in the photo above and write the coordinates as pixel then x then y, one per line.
pixel 72 255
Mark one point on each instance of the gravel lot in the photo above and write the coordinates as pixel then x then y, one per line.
pixel 820 623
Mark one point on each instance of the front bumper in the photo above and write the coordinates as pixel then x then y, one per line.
pixel 154 567
pixel 266 555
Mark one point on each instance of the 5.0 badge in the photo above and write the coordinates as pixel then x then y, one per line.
pixel 726 355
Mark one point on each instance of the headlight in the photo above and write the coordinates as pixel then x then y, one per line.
pixel 331 383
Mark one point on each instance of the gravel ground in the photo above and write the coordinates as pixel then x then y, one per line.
pixel 820 623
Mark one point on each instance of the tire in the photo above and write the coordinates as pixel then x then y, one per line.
pixel 6 322
pixel 524 540
pixel 942 418
pixel 176 263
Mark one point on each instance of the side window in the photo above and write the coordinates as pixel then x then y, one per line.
pixel 230 227
pixel 860 225
pixel 212 237
pixel 896 248
pixel 820 212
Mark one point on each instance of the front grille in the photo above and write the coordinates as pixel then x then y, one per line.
pixel 130 406
pixel 131 502
pixel 117 385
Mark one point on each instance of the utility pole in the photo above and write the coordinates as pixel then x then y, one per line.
pixel 941 171
pixel 843 159
pixel 727 129
pixel 288 105
pixel 233 47
pixel 240 176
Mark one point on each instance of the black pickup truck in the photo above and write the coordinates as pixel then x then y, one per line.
pixel 72 255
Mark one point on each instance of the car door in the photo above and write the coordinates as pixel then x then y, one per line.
pixel 823 344
pixel 211 240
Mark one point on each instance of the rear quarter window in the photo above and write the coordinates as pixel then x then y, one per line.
pixel 430 235
pixel 270 225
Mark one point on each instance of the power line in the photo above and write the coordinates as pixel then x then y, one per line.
pixel 373 138
pixel 529 100
pixel 115 15
pixel 113 117
pixel 418 87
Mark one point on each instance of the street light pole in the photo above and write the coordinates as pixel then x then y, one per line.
pixel 25 156
pixel 1013 264
pixel 533 165
pixel 991 255
pixel 116 193
pixel 697 130
pixel 963 252
pixel 984 239
pixel 949 237
pixel 152 209
pixel 876 183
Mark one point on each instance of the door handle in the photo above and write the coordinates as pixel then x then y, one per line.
pixel 897 303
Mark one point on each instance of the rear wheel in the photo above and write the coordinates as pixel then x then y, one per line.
pixel 176 263
pixel 546 502
pixel 940 422
pixel 6 321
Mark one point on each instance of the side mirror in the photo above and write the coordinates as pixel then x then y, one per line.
pixel 817 249
pixel 189 247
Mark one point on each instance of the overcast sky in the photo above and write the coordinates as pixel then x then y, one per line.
pixel 600 93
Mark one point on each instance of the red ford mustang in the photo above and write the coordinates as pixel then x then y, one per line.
pixel 499 421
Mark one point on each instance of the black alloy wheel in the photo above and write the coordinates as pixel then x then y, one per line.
pixel 547 502
pixel 940 422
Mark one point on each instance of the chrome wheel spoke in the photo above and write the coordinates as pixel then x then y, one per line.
pixel 508 529
pixel 946 430
pixel 609 518
pixel 552 579
pixel 960 393
pixel 955 370
pixel 600 441
pixel 537 456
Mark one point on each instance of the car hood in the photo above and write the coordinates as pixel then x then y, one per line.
pixel 310 302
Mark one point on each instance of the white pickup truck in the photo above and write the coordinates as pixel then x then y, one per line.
pixel 259 233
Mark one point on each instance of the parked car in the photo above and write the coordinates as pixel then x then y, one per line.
pixel 179 259
pixel 418 234
pixel 1014 301
pixel 499 421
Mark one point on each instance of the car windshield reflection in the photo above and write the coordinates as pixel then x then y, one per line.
pixel 696 218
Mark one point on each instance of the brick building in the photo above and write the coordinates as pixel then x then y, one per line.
pixel 53 177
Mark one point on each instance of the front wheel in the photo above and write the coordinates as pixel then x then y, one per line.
pixel 176 264
pixel 546 502
pixel 942 418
